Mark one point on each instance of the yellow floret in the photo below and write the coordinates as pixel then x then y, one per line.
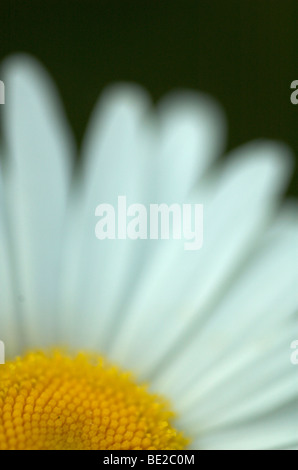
pixel 52 401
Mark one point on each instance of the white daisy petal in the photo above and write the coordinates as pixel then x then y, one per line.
pixel 274 430
pixel 119 162
pixel 39 147
pixel 182 286
pixel 9 323
pixel 240 394
pixel 192 134
pixel 252 291
pixel 114 165
pixel 232 367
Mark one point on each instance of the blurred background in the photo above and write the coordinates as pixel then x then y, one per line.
pixel 243 52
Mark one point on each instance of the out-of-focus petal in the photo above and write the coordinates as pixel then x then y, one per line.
pixel 180 287
pixel 10 324
pixel 39 148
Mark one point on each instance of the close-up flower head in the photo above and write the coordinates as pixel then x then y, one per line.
pixel 148 275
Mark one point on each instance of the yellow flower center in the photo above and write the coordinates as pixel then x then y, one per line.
pixel 52 401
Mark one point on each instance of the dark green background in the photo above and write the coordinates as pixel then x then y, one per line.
pixel 243 52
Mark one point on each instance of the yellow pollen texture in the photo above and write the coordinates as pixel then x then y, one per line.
pixel 52 401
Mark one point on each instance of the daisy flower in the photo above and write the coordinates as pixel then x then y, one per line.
pixel 86 323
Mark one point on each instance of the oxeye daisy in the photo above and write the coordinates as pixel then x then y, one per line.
pixel 141 344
